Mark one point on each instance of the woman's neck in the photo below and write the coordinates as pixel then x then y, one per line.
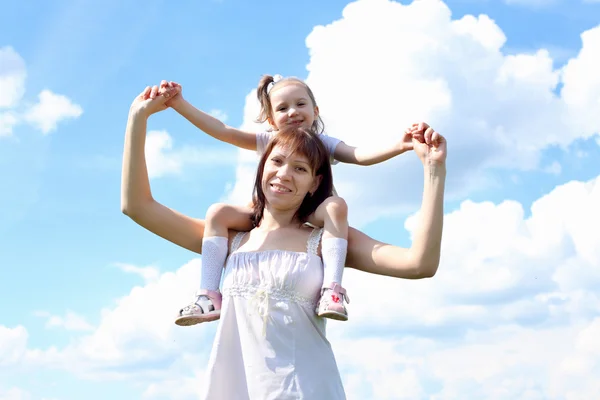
pixel 275 219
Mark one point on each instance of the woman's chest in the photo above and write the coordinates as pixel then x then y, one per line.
pixel 290 274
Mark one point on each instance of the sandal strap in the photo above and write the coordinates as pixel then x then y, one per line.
pixel 339 290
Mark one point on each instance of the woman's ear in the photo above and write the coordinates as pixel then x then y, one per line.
pixel 315 186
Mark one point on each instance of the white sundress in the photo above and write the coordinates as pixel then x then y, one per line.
pixel 270 344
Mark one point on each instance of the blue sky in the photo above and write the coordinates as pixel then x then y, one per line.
pixel 89 296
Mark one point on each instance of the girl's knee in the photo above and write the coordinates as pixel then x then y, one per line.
pixel 336 207
pixel 218 212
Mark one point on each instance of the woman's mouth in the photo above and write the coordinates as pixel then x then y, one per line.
pixel 280 188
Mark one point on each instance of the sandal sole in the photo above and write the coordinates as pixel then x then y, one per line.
pixel 193 320
pixel 334 315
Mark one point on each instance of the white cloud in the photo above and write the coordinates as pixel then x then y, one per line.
pixel 149 273
pixel 512 313
pixel 45 115
pixel 581 90
pixel 177 387
pixel 7 121
pixel 163 159
pixel 555 168
pixel 404 63
pixel 70 321
pixel 219 114
pixel 14 393
pixel 138 339
pixel 13 345
pixel 50 110
pixel 12 77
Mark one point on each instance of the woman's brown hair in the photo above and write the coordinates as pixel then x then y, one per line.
pixel 266 110
pixel 306 142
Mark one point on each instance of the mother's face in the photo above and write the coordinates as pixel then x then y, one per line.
pixel 287 178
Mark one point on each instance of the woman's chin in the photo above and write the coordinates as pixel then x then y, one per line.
pixel 281 203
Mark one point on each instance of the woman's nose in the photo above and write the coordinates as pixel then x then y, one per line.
pixel 283 171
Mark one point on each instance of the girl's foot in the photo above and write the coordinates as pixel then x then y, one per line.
pixel 205 307
pixel 331 304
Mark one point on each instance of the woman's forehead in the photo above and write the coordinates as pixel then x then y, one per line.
pixel 288 152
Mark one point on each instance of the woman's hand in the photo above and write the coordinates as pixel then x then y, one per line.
pixel 429 145
pixel 151 101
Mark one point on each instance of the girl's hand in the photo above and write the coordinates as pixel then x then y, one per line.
pixel 150 101
pixel 406 144
pixel 175 99
pixel 429 145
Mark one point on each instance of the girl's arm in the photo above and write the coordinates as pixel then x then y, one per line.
pixel 136 196
pixel 371 155
pixel 209 124
pixel 421 260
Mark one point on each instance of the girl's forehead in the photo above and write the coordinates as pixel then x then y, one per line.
pixel 286 89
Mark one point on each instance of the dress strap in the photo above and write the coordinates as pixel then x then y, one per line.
pixel 237 240
pixel 312 247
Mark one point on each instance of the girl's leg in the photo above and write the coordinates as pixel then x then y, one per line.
pixel 220 218
pixel 333 215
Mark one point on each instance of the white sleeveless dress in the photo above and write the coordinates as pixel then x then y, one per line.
pixel 269 343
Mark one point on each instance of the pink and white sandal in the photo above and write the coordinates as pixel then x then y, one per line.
pixel 205 307
pixel 331 304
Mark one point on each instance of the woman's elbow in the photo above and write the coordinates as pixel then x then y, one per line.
pixel 427 271
pixel 130 209
pixel 425 267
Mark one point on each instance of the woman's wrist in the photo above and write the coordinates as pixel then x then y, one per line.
pixel 434 168
pixel 137 114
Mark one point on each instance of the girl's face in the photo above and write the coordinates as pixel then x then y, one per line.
pixel 287 178
pixel 292 106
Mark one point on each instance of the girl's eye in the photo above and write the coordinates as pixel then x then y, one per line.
pixel 276 160
pixel 302 169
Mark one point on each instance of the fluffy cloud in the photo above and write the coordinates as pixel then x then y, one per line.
pixel 14 393
pixel 70 321
pixel 219 114
pixel 149 273
pixel 163 159
pixel 44 115
pixel 51 109
pixel 384 65
pixel 13 345
pixel 512 313
pixel 12 77
pixel 7 122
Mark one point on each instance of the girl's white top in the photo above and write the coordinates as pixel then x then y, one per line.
pixel 269 343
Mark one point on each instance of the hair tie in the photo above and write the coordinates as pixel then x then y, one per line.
pixel 276 78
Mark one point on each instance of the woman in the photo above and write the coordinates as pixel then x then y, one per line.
pixel 269 343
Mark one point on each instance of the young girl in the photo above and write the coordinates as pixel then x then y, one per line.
pixel 284 102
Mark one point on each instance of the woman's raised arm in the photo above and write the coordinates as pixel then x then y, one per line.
pixel 421 260
pixel 136 196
